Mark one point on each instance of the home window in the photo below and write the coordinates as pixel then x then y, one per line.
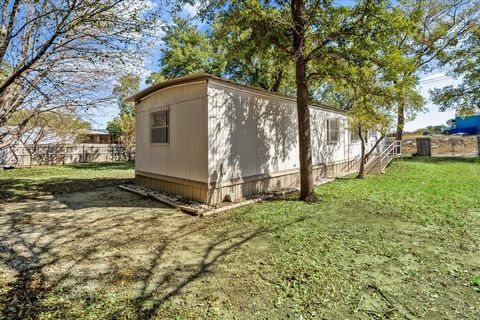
pixel 372 134
pixel 333 131
pixel 159 122
pixel 354 137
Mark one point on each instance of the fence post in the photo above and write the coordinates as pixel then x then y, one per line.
pixel 478 145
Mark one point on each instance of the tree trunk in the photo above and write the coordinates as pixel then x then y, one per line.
pixel 400 120
pixel 278 76
pixel 307 192
pixel 361 170
pixel 30 157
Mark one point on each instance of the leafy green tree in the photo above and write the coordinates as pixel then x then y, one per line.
pixel 187 51
pixel 369 85
pixel 122 127
pixel 225 50
pixel 250 60
pixel 465 63
pixel 154 78
pixel 369 100
pixel 437 27
pixel 126 87
pixel 304 31
pixel 114 128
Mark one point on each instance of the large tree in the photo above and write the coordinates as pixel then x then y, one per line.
pixel 249 59
pixel 464 63
pixel 438 27
pixel 303 31
pixel 122 127
pixel 368 85
pixel 188 50
pixel 63 54
pixel 222 49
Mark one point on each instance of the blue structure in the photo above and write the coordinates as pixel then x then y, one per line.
pixel 467 124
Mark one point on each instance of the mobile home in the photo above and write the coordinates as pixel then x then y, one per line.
pixel 210 139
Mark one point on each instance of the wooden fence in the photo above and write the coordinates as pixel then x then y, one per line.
pixel 63 154
pixel 448 146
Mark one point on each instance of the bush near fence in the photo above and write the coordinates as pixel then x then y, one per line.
pixel 64 154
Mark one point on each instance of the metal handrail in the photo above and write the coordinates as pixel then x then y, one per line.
pixel 394 150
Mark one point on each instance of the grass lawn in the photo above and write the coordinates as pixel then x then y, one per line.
pixel 401 245
pixel 25 183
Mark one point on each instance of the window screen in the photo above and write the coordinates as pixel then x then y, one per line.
pixel 333 130
pixel 159 126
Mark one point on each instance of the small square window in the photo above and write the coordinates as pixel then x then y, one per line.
pixel 159 126
pixel 333 130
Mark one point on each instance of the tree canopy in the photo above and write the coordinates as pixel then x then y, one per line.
pixel 65 54
pixel 224 50
pixel 437 28
pixel 122 127
pixel 464 62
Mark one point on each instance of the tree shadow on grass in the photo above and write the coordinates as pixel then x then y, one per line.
pixel 120 165
pixel 59 252
pixel 15 190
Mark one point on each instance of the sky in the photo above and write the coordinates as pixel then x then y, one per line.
pixel 431 116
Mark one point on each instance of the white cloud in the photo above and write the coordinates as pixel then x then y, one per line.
pixel 191 10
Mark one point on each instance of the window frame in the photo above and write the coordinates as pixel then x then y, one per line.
pixel 151 115
pixel 329 130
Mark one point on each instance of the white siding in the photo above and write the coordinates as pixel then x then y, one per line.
pixel 186 154
pixel 251 133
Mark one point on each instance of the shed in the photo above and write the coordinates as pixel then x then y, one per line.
pixel 204 138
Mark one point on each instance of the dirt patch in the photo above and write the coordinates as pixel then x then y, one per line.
pixel 112 254
pixel 70 254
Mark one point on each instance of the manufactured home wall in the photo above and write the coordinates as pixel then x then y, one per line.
pixel 185 156
pixel 254 134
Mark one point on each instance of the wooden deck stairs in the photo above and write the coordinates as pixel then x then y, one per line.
pixel 378 162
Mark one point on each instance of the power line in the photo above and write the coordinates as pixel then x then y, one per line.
pixel 434 79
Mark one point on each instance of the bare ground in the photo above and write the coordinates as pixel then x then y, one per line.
pixel 111 254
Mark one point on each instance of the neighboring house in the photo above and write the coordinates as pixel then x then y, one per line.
pixel 467 124
pixel 99 137
pixel 204 138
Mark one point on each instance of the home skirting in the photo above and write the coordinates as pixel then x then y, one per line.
pixel 236 189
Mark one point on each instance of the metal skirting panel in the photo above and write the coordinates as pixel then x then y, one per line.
pixel 184 189
pixel 268 184
pixel 240 190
